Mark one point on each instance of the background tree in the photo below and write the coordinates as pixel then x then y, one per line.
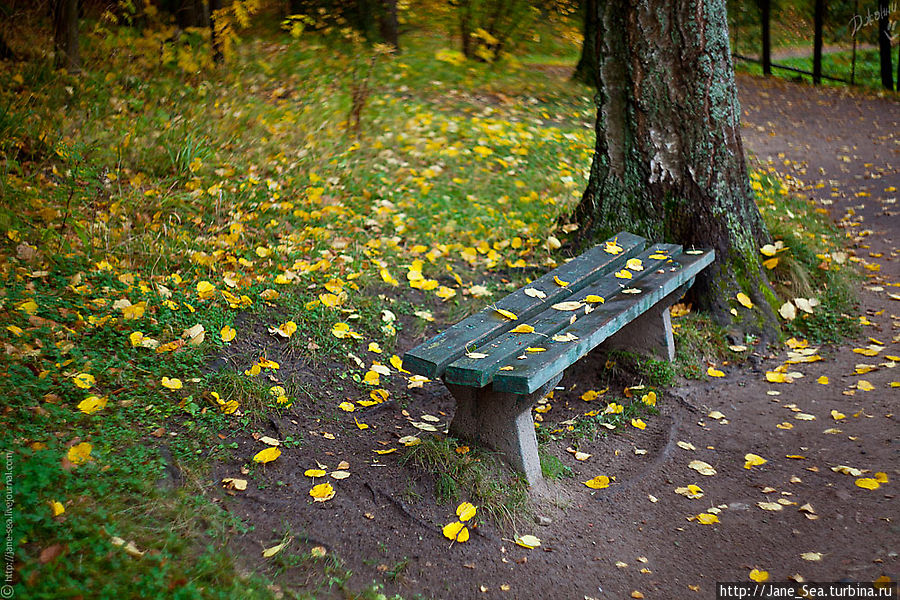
pixel 65 35
pixel 818 27
pixel 586 69
pixel 884 44
pixel 765 20
pixel 669 161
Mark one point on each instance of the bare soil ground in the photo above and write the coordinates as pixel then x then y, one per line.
pixel 385 524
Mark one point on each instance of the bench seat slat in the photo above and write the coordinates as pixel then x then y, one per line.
pixel 431 358
pixel 503 349
pixel 592 329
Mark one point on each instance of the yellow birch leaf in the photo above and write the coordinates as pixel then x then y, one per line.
pixel 770 263
pixel 270 552
pixel 753 460
pixel 92 404
pixel 624 274
pixel 523 328
pixel 228 333
pixel 466 511
pixel 456 531
pixel 322 492
pixel 509 315
pixel 528 541
pixel 823 380
pixel 868 483
pixel 714 372
pixel 593 299
pixel 560 282
pixel 80 453
pixel 173 384
pixel 315 473
pixel 702 467
pixel 864 385
pixel 57 507
pixel 597 483
pixel 744 299
pixel 267 455
pixel 759 576
pixel 707 519
pixel 84 380
pixel 638 423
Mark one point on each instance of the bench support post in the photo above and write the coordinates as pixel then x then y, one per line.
pixel 650 333
pixel 501 421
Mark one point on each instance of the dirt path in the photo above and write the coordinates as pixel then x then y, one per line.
pixel 636 535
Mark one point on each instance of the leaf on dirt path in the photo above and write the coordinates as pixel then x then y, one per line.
pixel 759 576
pixel 233 483
pixel 598 483
pixel 267 455
pixel 322 492
pixel 691 491
pixel 753 460
pixel 410 440
pixel 706 519
pixel 528 541
pixel 685 445
pixel 346 406
pixel 864 385
pixel 579 456
pixel 339 475
pixel 867 483
pixel 847 470
pixel 772 506
pixel 837 415
pixel 456 531
pixel 805 417
pixel 315 473
pixel 269 441
pixel 702 467
pixel 466 511
pixel 638 423
pixel 811 556
pixel 714 372
pixel 714 414
pixel 270 552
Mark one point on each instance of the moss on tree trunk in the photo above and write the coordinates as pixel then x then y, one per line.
pixel 669 161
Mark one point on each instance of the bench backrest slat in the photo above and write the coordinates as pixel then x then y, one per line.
pixel 530 373
pixel 431 358
pixel 503 349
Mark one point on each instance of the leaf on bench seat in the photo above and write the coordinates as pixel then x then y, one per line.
pixel 560 282
pixel 506 313
pixel 570 305
pixel 535 293
pixel 523 328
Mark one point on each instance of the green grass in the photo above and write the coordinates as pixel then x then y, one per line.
pixel 477 476
pixel 834 64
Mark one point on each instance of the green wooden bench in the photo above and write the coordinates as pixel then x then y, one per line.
pixel 618 293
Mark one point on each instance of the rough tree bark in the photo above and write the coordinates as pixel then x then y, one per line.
pixel 884 44
pixel 818 25
pixel 65 35
pixel 388 24
pixel 218 53
pixel 586 69
pixel 669 160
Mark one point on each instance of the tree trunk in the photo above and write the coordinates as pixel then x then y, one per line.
pixel 388 26
pixel 218 54
pixel 669 160
pixel 586 69
pixel 884 44
pixel 765 17
pixel 65 35
pixel 6 53
pixel 819 22
pixel 465 27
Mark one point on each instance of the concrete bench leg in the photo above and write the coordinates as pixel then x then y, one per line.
pixel 651 333
pixel 501 421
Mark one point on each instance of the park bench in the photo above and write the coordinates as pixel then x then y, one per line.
pixel 618 292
